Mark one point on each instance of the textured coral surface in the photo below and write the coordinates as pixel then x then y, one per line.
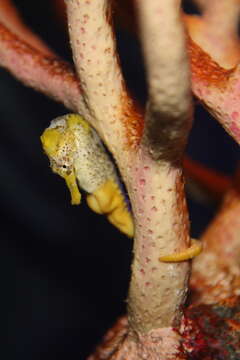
pixel 212 332
pixel 209 332
pixel 148 148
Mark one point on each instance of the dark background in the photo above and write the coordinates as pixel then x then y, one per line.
pixel 64 269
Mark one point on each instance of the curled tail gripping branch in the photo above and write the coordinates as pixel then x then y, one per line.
pixel 194 250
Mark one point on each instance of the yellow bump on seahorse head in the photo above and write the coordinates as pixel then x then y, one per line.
pixel 75 119
pixel 194 250
pixel 50 140
pixel 108 199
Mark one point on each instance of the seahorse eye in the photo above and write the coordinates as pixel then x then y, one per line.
pixel 65 169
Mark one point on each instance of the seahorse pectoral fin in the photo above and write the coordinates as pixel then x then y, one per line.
pixel 108 199
pixel 73 188
pixel 194 250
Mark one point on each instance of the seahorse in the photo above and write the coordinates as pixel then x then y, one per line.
pixel 77 154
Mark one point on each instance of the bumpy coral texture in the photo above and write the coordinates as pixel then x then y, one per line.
pixel 212 332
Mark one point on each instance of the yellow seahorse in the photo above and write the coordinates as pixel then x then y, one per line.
pixel 77 154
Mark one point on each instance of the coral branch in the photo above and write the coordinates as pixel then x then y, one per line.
pixel 157 289
pixel 10 17
pixel 96 61
pixel 216 30
pixel 167 121
pixel 206 180
pixel 149 157
pixel 48 75
pixel 217 89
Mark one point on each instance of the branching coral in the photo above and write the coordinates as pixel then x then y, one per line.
pixel 148 149
pixel 216 30
pixel 10 17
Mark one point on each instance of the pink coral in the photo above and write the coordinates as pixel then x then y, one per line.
pixel 148 149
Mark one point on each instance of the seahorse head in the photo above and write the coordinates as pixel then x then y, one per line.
pixel 59 144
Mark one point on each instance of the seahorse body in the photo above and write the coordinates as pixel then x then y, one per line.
pixel 77 154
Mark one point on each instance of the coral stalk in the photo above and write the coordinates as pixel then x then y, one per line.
pixel 152 169
pixel 158 290
pixel 149 155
